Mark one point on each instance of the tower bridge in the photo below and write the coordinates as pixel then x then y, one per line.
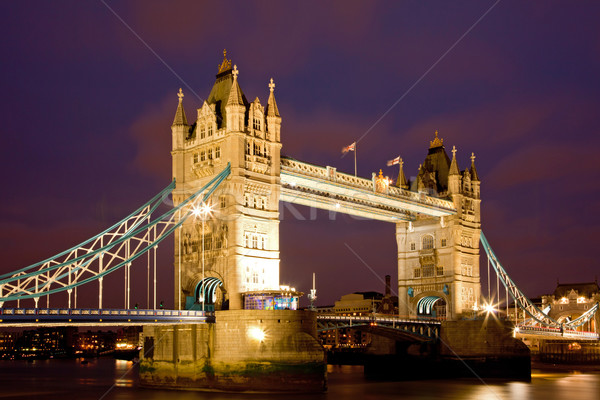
pixel 228 180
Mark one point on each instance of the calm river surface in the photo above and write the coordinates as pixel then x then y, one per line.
pixel 115 379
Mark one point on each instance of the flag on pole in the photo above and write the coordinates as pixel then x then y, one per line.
pixel 394 161
pixel 352 147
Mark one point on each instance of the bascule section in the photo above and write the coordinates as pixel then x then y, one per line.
pixel 231 246
pixel 438 257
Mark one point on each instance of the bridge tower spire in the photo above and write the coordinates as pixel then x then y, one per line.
pixel 438 257
pixel 241 233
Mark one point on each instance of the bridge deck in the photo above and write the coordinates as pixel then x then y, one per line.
pixel 554 333
pixel 25 317
pixel 325 188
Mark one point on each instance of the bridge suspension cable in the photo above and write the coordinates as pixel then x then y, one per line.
pixel 107 252
pixel 523 302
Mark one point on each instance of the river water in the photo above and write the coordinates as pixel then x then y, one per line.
pixel 101 379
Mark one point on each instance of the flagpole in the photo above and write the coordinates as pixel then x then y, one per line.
pixel 355 148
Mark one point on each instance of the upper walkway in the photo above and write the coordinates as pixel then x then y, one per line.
pixel 326 188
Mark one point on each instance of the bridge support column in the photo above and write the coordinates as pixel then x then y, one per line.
pixel 245 350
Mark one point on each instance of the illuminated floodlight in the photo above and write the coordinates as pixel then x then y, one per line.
pixel 257 334
pixel 337 205
pixel 489 308
pixel 202 211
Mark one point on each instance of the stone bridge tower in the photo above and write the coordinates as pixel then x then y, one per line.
pixel 438 258
pixel 241 232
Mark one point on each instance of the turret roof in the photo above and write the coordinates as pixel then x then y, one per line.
pixel 272 110
pixel 180 118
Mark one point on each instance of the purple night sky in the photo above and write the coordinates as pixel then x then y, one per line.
pixel 87 110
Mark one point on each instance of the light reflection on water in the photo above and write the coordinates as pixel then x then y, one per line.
pixel 117 379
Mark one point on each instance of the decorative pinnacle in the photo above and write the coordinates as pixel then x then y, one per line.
pixel 235 72
pixel 473 157
pixel 224 53
pixel 453 151
pixel 380 174
pixel 180 95
pixel 436 142
pixel 271 85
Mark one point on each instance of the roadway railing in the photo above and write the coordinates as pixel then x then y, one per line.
pixel 556 333
pixel 91 315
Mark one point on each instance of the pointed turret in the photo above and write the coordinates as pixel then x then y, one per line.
pixel 475 182
pixel 273 117
pixel 180 113
pixel 272 110
pixel 235 109
pixel 453 175
pixel 474 175
pixel 180 127
pixel 454 165
pixel 235 94
pixel 402 182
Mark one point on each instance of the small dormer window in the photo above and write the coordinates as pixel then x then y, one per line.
pixel 202 132
pixel 256 123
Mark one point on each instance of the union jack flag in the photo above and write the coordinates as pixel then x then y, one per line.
pixel 352 147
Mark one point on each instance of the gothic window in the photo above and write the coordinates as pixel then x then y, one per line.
pixel 427 242
pixel 263 241
pixel 417 273
pixel 218 242
pixel 210 131
pixel 444 242
pixel 247 237
pixel 257 123
pixel 254 276
pixel 209 154
pixel 413 246
pixel 246 200
pixel 254 242
pixel 217 152
pixel 195 158
pixel 248 148
pixel 263 203
pixel 202 132
pixel 202 155
pixel 223 201
pixel 428 271
pixel 257 149
pixel 439 270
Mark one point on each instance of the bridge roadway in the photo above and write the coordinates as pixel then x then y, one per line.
pixel 325 188
pixel 534 332
pixel 415 329
pixel 40 317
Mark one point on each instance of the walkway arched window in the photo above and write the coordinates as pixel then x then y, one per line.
pixel 427 242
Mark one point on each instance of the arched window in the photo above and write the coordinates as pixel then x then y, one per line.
pixel 427 242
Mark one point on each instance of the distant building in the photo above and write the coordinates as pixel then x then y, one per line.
pixel 7 343
pixel 570 300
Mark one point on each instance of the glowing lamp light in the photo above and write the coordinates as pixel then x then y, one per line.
pixel 257 334
pixel 489 308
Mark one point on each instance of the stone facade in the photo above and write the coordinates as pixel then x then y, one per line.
pixel 245 350
pixel 241 233
pixel 439 257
